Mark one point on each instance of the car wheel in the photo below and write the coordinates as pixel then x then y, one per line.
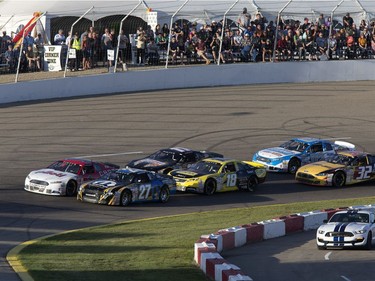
pixel 338 179
pixel 210 187
pixel 164 194
pixel 71 188
pixel 293 165
pixel 252 183
pixel 321 247
pixel 368 245
pixel 126 198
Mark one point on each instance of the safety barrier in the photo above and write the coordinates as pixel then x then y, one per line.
pixel 208 248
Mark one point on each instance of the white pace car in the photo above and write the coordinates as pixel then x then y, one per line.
pixel 350 228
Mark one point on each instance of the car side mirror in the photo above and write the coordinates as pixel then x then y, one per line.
pixel 325 221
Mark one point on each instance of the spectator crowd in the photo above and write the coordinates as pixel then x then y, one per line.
pixel 246 40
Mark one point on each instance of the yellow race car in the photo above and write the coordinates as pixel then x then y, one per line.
pixel 218 175
pixel 343 168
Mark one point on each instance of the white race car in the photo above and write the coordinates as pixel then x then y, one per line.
pixel 63 177
pixel 350 228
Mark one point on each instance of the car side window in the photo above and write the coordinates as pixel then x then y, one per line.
pixel 318 147
pixel 229 168
pixel 362 161
pixel 327 147
pixel 142 178
pixel 89 170
pixel 97 167
pixel 189 158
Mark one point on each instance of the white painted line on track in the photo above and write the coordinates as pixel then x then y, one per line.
pixel 345 278
pixel 326 257
pixel 114 154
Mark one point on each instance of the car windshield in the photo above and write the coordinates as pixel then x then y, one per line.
pixel 65 166
pixel 125 178
pixel 166 156
pixel 295 145
pixel 205 167
pixel 339 159
pixel 350 217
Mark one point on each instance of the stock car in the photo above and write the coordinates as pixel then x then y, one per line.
pixel 127 185
pixel 343 168
pixel 168 159
pixel 291 155
pixel 349 228
pixel 63 177
pixel 219 175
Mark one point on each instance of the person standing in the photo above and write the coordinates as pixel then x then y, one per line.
pixel 123 42
pixel 244 19
pixel 141 47
pixel 59 38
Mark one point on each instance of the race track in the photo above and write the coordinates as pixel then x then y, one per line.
pixel 234 121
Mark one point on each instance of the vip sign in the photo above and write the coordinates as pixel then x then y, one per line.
pixel 52 58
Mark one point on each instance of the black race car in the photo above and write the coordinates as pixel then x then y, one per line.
pixel 165 160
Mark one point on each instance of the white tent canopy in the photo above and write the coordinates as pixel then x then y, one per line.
pixel 214 7
pixel 193 10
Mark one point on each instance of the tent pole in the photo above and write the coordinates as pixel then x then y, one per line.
pixel 363 9
pixel 6 22
pixel 170 32
pixel 332 12
pixel 277 24
pixel 71 36
pixel 118 41
pixel 223 27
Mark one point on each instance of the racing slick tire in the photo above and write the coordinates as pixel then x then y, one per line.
pixel 126 198
pixel 338 179
pixel 368 245
pixel 293 165
pixel 71 188
pixel 164 194
pixel 252 183
pixel 321 247
pixel 209 187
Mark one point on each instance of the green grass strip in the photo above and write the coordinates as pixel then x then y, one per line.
pixel 150 249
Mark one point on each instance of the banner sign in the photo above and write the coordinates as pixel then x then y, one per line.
pixel 52 58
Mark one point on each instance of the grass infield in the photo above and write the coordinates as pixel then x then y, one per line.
pixel 150 249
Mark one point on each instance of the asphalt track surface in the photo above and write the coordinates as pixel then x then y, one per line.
pixel 235 121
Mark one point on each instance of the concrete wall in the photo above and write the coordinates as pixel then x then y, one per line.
pixel 189 76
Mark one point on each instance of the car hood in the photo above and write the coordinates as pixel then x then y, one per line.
pixel 186 174
pixel 149 164
pixel 319 167
pixel 342 227
pixel 276 152
pixel 51 175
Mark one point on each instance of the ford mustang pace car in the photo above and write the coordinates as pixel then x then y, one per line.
pixel 128 185
pixel 344 168
pixel 165 160
pixel 63 177
pixel 354 227
pixel 296 152
pixel 218 175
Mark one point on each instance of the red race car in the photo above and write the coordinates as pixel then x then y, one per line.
pixel 63 177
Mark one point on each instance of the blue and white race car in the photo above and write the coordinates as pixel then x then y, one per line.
pixel 296 152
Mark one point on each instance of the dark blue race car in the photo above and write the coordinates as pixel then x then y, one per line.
pixel 128 185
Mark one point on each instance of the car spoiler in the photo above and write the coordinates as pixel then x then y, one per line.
pixel 343 145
